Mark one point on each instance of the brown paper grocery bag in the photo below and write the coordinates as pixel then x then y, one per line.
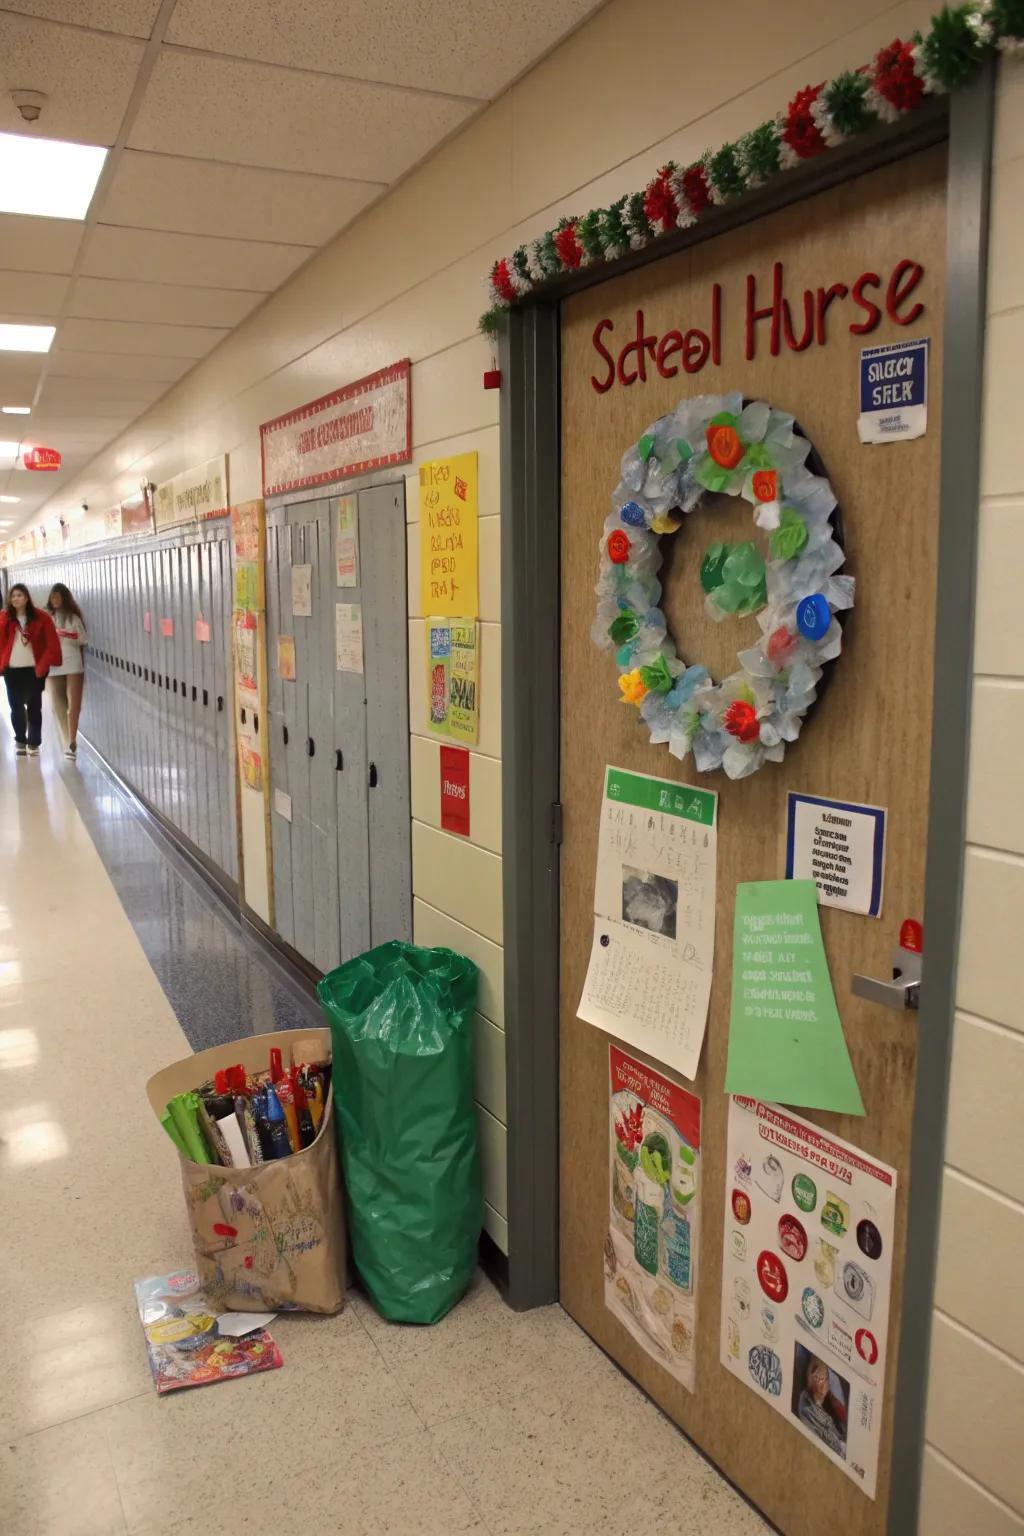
pixel 269 1238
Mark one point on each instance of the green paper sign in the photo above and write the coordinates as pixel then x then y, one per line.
pixel 786 1041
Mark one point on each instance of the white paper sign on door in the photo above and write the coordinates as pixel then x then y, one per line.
pixel 302 591
pixel 841 848
pixel 347 541
pixel 348 637
pixel 649 978
pixel 283 804
pixel 806 1276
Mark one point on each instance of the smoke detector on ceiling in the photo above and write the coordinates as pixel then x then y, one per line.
pixel 29 103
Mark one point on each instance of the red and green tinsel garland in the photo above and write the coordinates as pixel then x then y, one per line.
pixel 898 79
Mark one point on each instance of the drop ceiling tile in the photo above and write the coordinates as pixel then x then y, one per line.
pixel 126 336
pixel 99 397
pixel 134 18
pixel 87 77
pixel 19 375
pixel 206 198
pixel 38 245
pixel 50 426
pixel 101 298
pixel 401 42
pixel 102 365
pixel 193 260
pixel 256 114
pixel 31 293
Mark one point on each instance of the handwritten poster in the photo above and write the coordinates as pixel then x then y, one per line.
pixel 252 767
pixel 649 978
pixel 806 1276
pixel 246 666
pixel 302 591
pixel 348 637
pixel 651 1250
pixel 786 1039
pixel 247 585
pixel 453 678
pixel 346 541
pixel 448 536
pixel 286 657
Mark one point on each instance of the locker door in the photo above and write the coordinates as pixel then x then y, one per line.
pixel 322 772
pixel 226 739
pixel 197 687
pixel 186 604
pixel 299 742
pixel 351 781
pixel 150 682
pixel 164 662
pixel 219 641
pixel 382 540
pixel 279 714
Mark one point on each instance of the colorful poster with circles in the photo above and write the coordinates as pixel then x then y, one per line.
pixel 651 1248
pixel 806 1279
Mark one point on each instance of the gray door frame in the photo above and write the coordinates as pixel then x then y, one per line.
pixel 530 487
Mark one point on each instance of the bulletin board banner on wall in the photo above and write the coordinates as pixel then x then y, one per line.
pixel 195 495
pixel 137 514
pixel 363 426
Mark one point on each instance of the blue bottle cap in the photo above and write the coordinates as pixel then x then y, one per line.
pixel 633 514
pixel 813 616
pixel 274 1110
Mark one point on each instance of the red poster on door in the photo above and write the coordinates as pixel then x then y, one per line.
pixel 455 790
pixel 147 622
pixel 167 628
pixel 202 632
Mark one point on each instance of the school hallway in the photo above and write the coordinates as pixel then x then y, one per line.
pixel 114 961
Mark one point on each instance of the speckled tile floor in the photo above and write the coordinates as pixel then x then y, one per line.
pixel 491 1422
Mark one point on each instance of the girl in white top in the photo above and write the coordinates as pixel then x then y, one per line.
pixel 67 681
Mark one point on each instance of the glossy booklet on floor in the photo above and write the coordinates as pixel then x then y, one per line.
pixel 185 1346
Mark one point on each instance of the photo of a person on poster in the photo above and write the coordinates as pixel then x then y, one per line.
pixel 820 1399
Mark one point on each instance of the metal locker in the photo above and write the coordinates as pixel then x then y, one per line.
pixel 226 751
pixel 186 607
pixel 323 806
pixel 382 548
pixel 351 779
pixel 277 736
pixel 222 663
pixel 197 684
pixel 300 745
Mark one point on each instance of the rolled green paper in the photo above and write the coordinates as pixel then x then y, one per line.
pixel 184 1111
pixel 167 1121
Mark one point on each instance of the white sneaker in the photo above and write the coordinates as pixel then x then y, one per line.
pixel 33 751
pixel 20 749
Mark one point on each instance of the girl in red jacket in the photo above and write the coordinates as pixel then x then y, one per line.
pixel 29 647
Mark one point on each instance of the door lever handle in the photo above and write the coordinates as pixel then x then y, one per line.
pixel 903 991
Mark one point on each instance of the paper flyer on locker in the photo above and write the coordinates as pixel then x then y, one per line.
pixel 806 1279
pixel 651 960
pixel 651 1250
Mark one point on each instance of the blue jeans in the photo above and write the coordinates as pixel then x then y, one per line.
pixel 25 696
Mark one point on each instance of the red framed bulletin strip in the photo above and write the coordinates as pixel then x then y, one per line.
pixel 372 418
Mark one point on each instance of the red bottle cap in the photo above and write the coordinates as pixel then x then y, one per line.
pixel 220 1081
pixel 276 1069
pixel 236 1079
pixel 912 936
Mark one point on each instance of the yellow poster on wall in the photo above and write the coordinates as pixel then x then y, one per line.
pixel 448 537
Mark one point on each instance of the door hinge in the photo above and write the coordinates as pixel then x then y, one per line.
pixel 556 822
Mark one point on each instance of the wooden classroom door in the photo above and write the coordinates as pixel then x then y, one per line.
pixel 867 740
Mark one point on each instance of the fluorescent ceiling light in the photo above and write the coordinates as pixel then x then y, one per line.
pixel 26 338
pixel 10 500
pixel 17 410
pixel 48 177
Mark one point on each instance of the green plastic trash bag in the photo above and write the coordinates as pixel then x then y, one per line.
pixel 401 1022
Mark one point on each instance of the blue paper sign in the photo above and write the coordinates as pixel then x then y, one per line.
pixel 893 391
pixel 841 847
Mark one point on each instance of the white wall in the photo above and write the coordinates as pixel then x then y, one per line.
pixel 974 1469
pixel 642 82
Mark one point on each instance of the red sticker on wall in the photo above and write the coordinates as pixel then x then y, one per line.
pixel 455 790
